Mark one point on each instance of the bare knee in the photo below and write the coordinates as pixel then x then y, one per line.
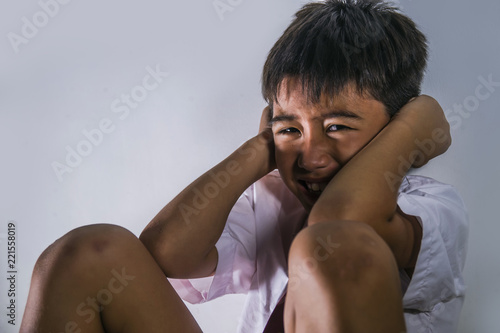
pixel 337 270
pixel 84 247
pixel 343 250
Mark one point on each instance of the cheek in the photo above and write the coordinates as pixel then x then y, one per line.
pixel 286 163
pixel 347 148
pixel 350 146
pixel 285 158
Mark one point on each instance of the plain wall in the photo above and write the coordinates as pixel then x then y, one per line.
pixel 66 78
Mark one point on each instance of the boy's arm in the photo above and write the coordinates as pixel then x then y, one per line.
pixel 182 236
pixel 366 188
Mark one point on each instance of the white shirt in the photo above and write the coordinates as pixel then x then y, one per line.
pixel 263 222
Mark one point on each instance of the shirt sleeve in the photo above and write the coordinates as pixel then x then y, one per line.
pixel 435 293
pixel 236 257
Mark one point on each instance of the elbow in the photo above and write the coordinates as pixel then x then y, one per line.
pixel 151 241
pixel 148 239
pixel 162 253
pixel 174 259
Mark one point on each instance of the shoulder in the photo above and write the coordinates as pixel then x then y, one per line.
pixel 440 210
pixel 428 190
pixel 443 217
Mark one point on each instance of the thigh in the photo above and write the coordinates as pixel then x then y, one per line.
pixel 101 278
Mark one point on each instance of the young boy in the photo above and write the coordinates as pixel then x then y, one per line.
pixel 338 240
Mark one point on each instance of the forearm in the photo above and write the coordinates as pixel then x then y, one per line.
pixel 366 188
pixel 183 234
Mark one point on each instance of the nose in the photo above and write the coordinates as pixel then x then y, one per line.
pixel 316 153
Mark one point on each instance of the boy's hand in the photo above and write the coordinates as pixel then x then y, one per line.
pixel 425 118
pixel 266 136
pixel 264 119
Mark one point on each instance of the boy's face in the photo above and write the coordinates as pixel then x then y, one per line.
pixel 314 141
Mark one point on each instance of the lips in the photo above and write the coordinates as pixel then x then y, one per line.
pixel 309 189
pixel 314 186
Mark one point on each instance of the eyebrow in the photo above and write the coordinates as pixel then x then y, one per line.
pixel 283 118
pixel 331 114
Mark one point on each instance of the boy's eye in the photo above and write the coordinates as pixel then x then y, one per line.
pixel 289 130
pixel 336 128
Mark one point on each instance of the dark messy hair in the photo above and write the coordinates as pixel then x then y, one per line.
pixel 334 43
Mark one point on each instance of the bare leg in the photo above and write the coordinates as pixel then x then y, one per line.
pixel 100 278
pixel 343 278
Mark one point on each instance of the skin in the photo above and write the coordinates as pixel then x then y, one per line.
pixel 360 276
pixel 314 141
pixel 324 144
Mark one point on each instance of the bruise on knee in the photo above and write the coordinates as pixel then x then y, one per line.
pixel 79 246
pixel 98 245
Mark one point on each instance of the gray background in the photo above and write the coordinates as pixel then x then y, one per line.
pixel 63 80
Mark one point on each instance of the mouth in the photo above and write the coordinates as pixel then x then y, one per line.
pixel 313 187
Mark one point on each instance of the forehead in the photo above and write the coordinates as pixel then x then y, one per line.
pixel 292 98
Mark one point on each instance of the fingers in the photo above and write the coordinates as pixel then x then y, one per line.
pixel 264 119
